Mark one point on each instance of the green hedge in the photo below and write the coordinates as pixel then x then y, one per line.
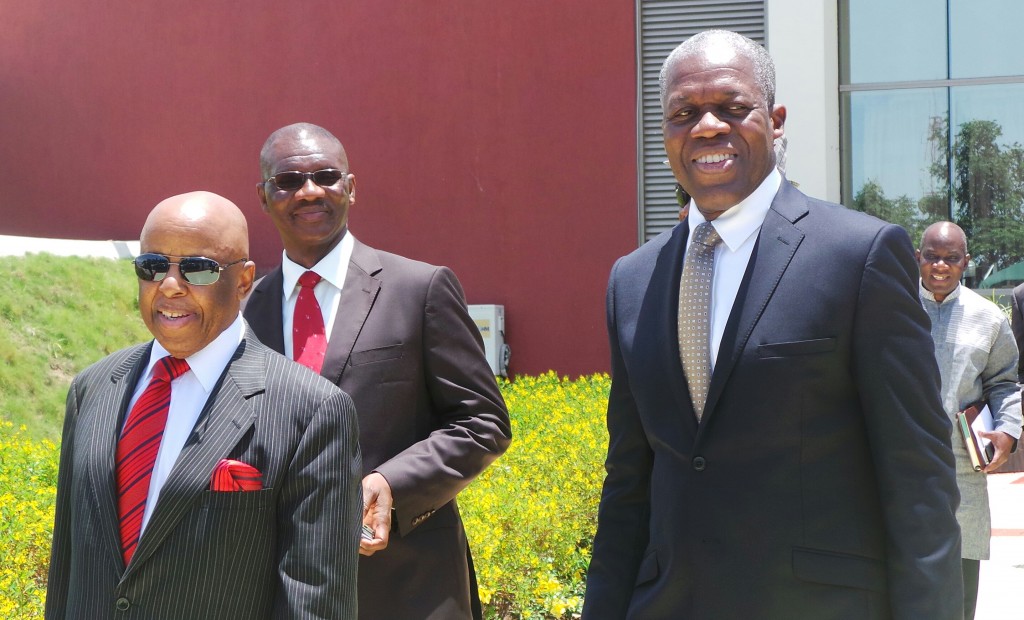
pixel 531 516
pixel 28 479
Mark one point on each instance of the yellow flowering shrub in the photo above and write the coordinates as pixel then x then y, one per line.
pixel 28 479
pixel 531 516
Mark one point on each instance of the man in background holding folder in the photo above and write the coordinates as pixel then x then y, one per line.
pixel 977 358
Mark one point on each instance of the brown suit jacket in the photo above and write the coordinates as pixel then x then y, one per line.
pixel 431 419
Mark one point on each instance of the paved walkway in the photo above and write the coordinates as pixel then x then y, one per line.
pixel 1001 594
pixel 19 246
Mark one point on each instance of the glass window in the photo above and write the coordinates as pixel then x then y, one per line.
pixel 893 40
pixel 913 154
pixel 896 157
pixel 982 34
pixel 988 172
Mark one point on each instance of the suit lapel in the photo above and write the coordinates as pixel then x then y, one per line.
pixel 103 439
pixel 776 244
pixel 264 308
pixel 225 418
pixel 357 297
pixel 657 324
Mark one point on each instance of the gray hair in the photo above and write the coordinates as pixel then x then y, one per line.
pixel 764 68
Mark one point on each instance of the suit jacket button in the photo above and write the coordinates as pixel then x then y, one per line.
pixel 122 604
pixel 699 463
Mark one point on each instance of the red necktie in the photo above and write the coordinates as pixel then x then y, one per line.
pixel 309 342
pixel 138 447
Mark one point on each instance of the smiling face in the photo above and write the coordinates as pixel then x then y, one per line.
pixel 183 317
pixel 312 219
pixel 942 258
pixel 717 126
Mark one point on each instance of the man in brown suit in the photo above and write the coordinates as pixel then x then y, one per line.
pixel 400 341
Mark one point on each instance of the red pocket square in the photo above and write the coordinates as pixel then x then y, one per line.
pixel 231 475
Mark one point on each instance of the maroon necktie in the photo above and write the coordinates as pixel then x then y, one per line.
pixel 138 447
pixel 310 340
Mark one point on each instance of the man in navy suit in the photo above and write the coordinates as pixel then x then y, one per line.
pixel 818 481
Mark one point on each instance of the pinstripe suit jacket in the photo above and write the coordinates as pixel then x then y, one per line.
pixel 287 551
pixel 431 419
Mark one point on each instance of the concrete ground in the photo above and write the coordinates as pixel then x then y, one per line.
pixel 1001 593
pixel 19 246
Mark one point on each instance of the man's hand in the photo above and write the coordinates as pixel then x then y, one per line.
pixel 1003 444
pixel 377 503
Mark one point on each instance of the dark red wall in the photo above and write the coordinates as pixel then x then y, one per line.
pixel 498 138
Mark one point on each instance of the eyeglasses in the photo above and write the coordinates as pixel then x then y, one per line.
pixel 197 270
pixel 293 179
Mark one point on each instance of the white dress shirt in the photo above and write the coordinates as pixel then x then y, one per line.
pixel 331 269
pixel 189 394
pixel 738 228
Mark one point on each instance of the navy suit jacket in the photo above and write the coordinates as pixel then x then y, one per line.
pixel 820 482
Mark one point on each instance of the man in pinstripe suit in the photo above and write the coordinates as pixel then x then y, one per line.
pixel 284 549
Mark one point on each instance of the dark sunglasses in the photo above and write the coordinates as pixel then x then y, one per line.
pixel 293 180
pixel 197 270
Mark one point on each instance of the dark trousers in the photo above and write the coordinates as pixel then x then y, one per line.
pixel 972 571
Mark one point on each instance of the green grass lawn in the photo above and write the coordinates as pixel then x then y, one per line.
pixel 57 316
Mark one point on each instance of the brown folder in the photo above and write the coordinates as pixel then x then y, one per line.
pixel 980 451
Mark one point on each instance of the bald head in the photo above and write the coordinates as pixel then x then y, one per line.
pixel 718 43
pixel 206 215
pixel 300 137
pixel 945 233
pixel 187 302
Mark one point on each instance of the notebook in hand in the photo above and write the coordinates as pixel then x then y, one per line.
pixel 972 419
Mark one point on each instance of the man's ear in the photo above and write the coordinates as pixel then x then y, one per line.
pixel 351 189
pixel 778 117
pixel 262 192
pixel 245 279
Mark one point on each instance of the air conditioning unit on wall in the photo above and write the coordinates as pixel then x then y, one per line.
pixel 490 320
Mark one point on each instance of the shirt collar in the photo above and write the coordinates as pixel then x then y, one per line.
pixel 739 222
pixel 207 364
pixel 331 267
pixel 926 294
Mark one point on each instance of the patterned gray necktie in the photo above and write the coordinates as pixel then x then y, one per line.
pixel 694 322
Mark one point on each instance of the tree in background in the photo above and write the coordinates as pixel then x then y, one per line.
pixel 986 193
pixel 903 211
